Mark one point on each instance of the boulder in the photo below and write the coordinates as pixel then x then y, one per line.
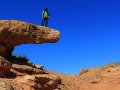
pixel 27 69
pixel 38 66
pixel 40 82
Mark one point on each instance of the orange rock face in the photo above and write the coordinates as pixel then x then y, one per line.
pixel 5 67
pixel 28 77
pixel 20 74
pixel 99 78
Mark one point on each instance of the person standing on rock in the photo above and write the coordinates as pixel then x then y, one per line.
pixel 45 17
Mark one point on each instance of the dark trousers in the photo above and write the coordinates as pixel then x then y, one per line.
pixel 45 22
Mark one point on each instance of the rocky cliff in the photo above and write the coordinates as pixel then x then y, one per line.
pixel 21 74
pixel 28 77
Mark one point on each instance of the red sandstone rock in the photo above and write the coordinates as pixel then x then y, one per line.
pixel 27 69
pixel 99 78
pixel 5 67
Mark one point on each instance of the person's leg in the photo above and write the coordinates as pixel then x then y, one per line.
pixel 43 20
pixel 46 23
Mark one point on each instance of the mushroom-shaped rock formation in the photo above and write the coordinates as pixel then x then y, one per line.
pixel 13 33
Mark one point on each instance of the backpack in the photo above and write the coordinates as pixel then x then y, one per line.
pixel 45 14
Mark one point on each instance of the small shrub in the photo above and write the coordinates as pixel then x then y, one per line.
pixel 20 59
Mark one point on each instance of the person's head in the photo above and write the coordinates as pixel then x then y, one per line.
pixel 46 9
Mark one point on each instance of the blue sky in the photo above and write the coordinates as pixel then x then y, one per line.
pixel 90 32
